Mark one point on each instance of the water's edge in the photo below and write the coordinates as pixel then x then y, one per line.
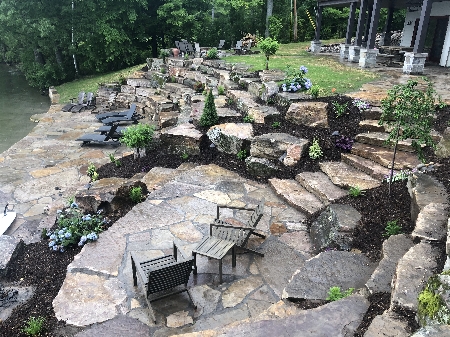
pixel 18 102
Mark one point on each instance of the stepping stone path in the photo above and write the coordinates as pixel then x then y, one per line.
pixel 181 204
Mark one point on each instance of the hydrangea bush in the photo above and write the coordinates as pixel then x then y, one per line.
pixel 296 80
pixel 75 228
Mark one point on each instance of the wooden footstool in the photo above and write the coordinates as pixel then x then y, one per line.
pixel 214 248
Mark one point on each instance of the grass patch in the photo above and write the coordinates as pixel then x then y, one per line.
pixel 91 83
pixel 323 70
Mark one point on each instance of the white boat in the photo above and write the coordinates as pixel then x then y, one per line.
pixel 6 219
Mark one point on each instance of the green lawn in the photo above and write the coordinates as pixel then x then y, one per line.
pixel 325 71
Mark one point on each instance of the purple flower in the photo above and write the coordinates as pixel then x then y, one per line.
pixel 303 69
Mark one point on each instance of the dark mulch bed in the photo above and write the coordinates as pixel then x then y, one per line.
pixel 37 265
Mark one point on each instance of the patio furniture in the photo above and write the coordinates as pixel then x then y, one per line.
pixel 80 100
pixel 161 275
pixel 224 237
pixel 215 248
pixel 221 44
pixel 111 137
pixel 238 48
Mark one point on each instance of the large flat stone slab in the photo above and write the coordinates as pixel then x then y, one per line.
pixel 329 269
pixel 433 331
pixel 393 249
pixel 236 293
pixel 87 299
pixel 383 156
pixel 380 138
pixel 278 264
pixel 431 223
pixel 7 246
pixel 346 176
pixel 388 324
pixel 321 186
pixel 118 326
pixel 339 318
pixel 296 195
pixel 412 273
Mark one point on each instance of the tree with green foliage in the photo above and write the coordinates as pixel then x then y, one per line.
pixel 138 137
pixel 409 112
pixel 269 47
pixel 209 116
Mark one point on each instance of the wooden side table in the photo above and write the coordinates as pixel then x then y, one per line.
pixel 215 248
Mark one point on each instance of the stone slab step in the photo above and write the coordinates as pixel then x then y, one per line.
pixel 296 195
pixel 383 156
pixel 372 113
pixel 329 269
pixel 392 251
pixel 338 318
pixel 346 176
pixel 388 324
pixel 379 139
pixel 368 166
pixel 177 88
pixel 321 186
pixel 372 125
pixel 412 273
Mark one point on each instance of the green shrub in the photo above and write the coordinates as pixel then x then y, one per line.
pixel 92 172
pixel 221 90
pixel 392 228
pixel 199 86
pixel 209 116
pixel 339 109
pixel 276 125
pixel 212 54
pixel 355 191
pixel 33 326
pixel 117 162
pixel 335 293
pixel 248 119
pixel 315 152
pixel 138 136
pixel 430 303
pixel 242 154
pixel 315 91
pixel 184 156
pixel 269 47
pixel 136 194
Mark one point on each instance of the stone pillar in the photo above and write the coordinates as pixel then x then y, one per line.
pixel 344 51
pixel 353 53
pixel 368 58
pixel 414 63
pixel 315 46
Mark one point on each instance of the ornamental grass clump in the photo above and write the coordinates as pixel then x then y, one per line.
pixel 296 80
pixel 75 228
pixel 34 326
pixel 209 116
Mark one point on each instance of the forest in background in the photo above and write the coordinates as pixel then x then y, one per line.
pixel 57 41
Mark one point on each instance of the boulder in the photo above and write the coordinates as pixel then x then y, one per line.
pixel 269 90
pixel 260 167
pixel 333 227
pixel 443 147
pixel 312 114
pixel 275 145
pixel 230 137
pixel 108 194
pixel 182 139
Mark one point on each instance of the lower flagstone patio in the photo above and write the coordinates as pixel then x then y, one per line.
pixel 99 287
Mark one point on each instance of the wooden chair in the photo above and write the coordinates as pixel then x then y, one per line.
pixel 162 274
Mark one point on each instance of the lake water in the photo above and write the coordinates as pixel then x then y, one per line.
pixel 18 101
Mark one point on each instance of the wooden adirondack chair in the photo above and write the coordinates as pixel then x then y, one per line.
pixel 161 274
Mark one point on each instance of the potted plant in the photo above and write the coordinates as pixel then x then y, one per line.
pixel 175 52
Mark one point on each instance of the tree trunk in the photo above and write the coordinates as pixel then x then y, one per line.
pixel 268 15
pixel 267 62
pixel 295 35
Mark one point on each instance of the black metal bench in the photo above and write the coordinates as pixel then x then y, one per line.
pixel 162 274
